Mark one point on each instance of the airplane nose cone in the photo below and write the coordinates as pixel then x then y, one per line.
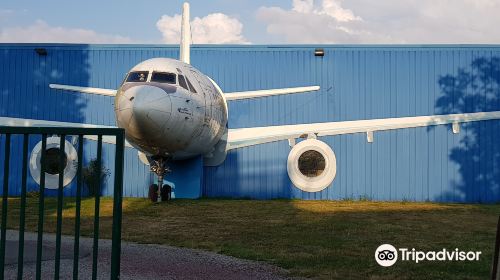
pixel 143 111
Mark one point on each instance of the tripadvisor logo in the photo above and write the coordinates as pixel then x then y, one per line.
pixel 387 255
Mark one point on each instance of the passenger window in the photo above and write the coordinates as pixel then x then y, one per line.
pixel 191 86
pixel 162 77
pixel 139 76
pixel 182 82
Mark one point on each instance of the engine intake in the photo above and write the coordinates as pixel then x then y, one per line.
pixel 52 162
pixel 312 165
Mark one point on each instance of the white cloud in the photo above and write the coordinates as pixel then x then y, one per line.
pixel 327 7
pixel 385 21
pixel 41 32
pixel 215 28
pixel 303 6
pixel 335 10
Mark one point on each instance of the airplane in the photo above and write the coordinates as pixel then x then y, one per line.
pixel 171 111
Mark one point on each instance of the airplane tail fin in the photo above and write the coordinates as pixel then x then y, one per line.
pixel 185 35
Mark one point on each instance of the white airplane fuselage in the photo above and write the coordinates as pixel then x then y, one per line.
pixel 170 109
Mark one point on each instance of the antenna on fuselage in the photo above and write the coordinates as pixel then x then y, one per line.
pixel 185 35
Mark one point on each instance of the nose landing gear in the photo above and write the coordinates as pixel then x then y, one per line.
pixel 160 168
pixel 166 192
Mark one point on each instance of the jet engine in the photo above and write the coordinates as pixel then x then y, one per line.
pixel 52 163
pixel 311 165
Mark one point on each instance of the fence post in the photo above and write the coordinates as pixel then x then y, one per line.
pixel 4 203
pixel 96 209
pixel 60 198
pixel 22 214
pixel 495 273
pixel 41 209
pixel 76 248
pixel 117 206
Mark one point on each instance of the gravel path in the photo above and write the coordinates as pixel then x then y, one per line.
pixel 138 261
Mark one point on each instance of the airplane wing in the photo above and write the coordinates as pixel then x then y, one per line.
pixel 244 137
pixel 230 96
pixel 99 91
pixel 30 123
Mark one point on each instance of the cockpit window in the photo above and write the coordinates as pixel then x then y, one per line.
pixel 191 86
pixel 139 76
pixel 124 79
pixel 182 82
pixel 162 77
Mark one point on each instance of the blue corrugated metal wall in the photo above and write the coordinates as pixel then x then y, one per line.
pixel 358 82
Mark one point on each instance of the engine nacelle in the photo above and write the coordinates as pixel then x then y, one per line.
pixel 312 165
pixel 52 162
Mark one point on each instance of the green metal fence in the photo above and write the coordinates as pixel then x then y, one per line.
pixel 7 132
pixel 495 272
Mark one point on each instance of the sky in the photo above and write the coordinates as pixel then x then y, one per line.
pixel 253 21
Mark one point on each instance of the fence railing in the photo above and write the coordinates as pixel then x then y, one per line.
pixel 62 132
pixel 495 273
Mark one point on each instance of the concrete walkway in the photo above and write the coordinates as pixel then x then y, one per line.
pixel 137 261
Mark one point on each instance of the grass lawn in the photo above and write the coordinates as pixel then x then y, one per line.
pixel 320 239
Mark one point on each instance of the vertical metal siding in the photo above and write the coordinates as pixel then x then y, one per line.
pixel 357 82
pixel 363 83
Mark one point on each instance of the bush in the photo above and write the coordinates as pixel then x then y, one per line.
pixel 90 176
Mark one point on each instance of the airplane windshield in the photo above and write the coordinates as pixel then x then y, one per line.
pixel 182 82
pixel 191 86
pixel 162 77
pixel 139 76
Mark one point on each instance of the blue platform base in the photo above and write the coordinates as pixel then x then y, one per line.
pixel 186 178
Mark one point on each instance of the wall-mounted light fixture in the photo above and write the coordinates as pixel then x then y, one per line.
pixel 319 52
pixel 41 51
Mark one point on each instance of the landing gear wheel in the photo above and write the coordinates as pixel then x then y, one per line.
pixel 153 192
pixel 166 192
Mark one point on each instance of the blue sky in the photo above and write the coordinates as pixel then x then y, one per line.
pixel 253 21
pixel 134 19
